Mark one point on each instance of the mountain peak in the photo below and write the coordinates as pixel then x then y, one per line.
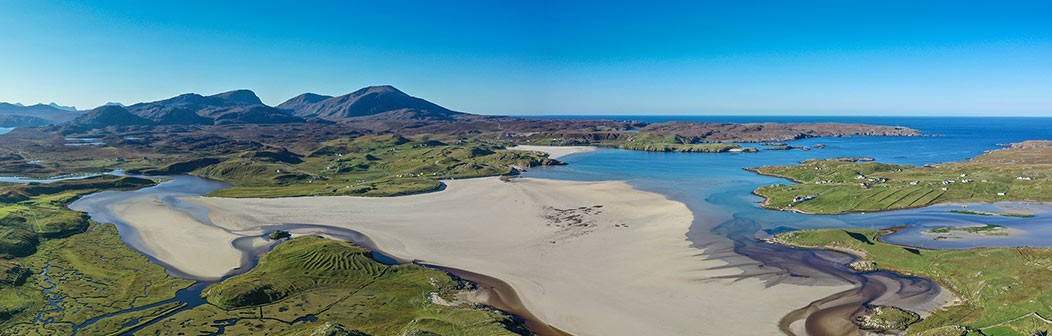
pixel 108 115
pixel 382 102
pixel 240 97
pixel 378 89
pixel 60 107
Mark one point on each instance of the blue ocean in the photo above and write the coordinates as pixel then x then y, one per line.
pixel 718 190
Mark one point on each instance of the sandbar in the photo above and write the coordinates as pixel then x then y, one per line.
pixel 556 152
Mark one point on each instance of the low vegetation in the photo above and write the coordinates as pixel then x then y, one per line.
pixel 988 229
pixel 675 143
pixel 992 213
pixel 57 271
pixel 385 165
pixel 885 318
pixel 651 142
pixel 1004 291
pixel 833 186
pixel 85 276
pixel 310 284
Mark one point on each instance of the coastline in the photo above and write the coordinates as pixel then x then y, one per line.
pixel 635 248
pixel 563 270
pixel 556 152
pixel 954 299
pixel 585 258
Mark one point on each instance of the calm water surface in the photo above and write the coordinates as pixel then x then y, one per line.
pixel 718 190
pixel 728 217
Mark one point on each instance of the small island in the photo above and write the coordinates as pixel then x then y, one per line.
pixel 992 213
pixel 279 234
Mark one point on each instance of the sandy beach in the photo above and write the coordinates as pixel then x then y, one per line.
pixel 556 152
pixel 174 237
pixel 589 258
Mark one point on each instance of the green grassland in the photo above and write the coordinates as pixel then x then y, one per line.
pixel 88 271
pixel 988 229
pixel 1002 288
pixel 311 283
pixel 883 318
pixel 632 141
pixel 992 213
pixel 838 184
pixel 675 143
pixel 385 165
pixel 89 275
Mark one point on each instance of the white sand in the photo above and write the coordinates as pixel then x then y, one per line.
pixel 177 239
pixel 599 279
pixel 625 269
pixel 556 152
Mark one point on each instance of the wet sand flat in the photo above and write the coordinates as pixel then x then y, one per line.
pixel 589 258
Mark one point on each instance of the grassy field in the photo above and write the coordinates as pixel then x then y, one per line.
pixel 884 318
pixel 838 186
pixel 385 165
pixel 89 275
pixel 991 230
pixel 87 271
pixel 675 143
pixel 311 283
pixel 1005 291
pixel 992 213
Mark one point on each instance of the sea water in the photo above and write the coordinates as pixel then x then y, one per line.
pixel 718 190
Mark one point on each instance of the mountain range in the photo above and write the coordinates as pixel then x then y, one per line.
pixel 244 107
pixel 46 112
pixel 370 103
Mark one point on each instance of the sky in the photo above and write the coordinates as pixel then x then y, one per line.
pixel 952 58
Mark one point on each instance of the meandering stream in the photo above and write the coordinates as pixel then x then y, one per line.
pixel 728 220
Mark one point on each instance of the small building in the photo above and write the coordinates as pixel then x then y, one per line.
pixel 1000 194
pixel 864 185
pixel 1025 178
pixel 914 182
pixel 860 177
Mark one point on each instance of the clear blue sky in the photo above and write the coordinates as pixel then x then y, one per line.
pixel 545 57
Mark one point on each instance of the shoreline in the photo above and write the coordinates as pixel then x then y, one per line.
pixel 562 247
pixel 861 256
pixel 662 283
pixel 556 152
